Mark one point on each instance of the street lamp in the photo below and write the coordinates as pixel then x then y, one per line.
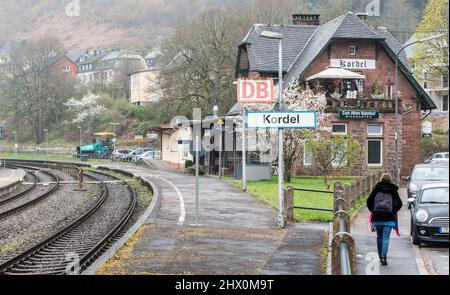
pixel 279 37
pixel 115 137
pixel 79 127
pixel 46 143
pixel 397 117
pixel 15 143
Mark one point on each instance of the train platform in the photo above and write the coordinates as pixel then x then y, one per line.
pixel 10 176
pixel 236 234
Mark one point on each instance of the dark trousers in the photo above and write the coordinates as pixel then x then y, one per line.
pixel 383 235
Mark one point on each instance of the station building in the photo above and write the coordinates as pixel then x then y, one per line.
pixel 354 65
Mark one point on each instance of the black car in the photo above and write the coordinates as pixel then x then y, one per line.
pixel 429 214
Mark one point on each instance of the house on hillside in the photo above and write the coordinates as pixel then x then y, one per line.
pixel 353 64
pixel 153 59
pixel 6 52
pixel 436 87
pixel 65 66
pixel 103 66
pixel 145 87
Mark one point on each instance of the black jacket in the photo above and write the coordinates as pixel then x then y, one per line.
pixel 396 201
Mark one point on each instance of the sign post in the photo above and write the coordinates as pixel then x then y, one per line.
pixel 197 163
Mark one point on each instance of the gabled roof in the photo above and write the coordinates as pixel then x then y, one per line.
pixel 346 26
pixel 263 52
pixel 308 42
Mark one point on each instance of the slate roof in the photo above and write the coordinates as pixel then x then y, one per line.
pixel 303 44
pixel 263 52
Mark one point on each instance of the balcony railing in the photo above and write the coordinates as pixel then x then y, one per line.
pixel 382 105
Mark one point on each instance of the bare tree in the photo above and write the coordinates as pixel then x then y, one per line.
pixel 36 92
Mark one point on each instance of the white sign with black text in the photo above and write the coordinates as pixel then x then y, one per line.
pixel 363 64
pixel 282 119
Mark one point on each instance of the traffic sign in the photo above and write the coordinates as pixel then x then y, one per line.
pixel 255 90
pixel 282 119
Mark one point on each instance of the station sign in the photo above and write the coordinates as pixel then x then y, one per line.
pixel 255 90
pixel 282 119
pixel 358 115
pixel 353 64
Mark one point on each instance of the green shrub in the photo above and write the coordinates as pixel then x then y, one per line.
pixel 188 163
pixel 433 145
pixel 191 170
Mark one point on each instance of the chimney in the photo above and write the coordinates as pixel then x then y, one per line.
pixel 363 16
pixel 306 19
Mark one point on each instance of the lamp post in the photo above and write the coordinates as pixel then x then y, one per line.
pixel 15 143
pixel 115 137
pixel 397 115
pixel 279 37
pixel 79 127
pixel 46 143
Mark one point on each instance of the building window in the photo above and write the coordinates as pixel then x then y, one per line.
pixel 307 156
pixel 352 50
pixel 445 80
pixel 445 103
pixel 374 152
pixel 374 130
pixel 339 129
pixel 66 69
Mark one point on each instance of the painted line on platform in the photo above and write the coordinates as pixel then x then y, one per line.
pixel 180 196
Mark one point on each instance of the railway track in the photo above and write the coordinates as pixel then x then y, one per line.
pixel 20 192
pixel 75 247
pixel 7 206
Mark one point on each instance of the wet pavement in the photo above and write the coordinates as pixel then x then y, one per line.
pixel 236 234
pixel 403 257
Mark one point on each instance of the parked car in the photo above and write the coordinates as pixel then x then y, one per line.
pixel 439 162
pixel 437 156
pixel 149 155
pixel 429 214
pixel 425 174
pixel 120 155
pixel 133 154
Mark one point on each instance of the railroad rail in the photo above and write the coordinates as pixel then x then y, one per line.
pixel 6 199
pixel 73 248
pixel 16 209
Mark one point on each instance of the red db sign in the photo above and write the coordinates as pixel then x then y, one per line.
pixel 255 90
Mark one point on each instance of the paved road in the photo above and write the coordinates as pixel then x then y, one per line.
pixel 403 257
pixel 237 234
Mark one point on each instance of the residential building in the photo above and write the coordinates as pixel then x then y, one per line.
pixel 436 87
pixel 153 59
pixel 348 46
pixel 144 87
pixel 100 67
pixel 6 52
pixel 66 67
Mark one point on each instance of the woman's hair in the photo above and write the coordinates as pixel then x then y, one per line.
pixel 386 178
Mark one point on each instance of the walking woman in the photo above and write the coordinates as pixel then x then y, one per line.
pixel 384 202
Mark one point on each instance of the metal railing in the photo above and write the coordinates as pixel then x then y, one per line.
pixel 343 255
pixel 384 105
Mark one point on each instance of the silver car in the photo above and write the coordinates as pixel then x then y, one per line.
pixel 426 174
pixel 437 157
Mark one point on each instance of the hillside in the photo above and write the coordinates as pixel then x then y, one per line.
pixel 143 23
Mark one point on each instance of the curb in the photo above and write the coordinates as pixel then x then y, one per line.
pixel 99 262
pixel 330 239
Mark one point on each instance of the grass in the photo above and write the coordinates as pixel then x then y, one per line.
pixel 266 191
pixel 58 157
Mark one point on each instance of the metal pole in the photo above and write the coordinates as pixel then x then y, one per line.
pixel 16 146
pixel 281 217
pixel 397 126
pixel 79 127
pixel 244 157
pixel 197 163
pixel 220 153
pixel 46 145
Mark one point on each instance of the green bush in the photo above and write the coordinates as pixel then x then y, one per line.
pixel 188 163
pixel 433 145
pixel 191 170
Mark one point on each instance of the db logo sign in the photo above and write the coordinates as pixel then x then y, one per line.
pixel 255 90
